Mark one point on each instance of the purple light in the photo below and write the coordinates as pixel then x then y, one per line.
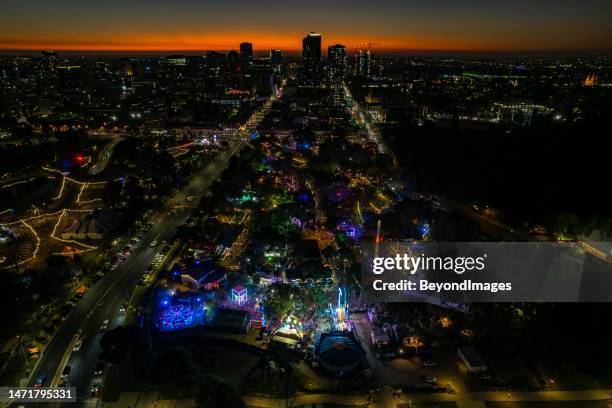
pixel 351 230
pixel 297 221
pixel 176 317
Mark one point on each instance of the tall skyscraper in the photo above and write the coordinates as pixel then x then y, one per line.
pixel 246 52
pixel 311 59
pixel 49 65
pixel 336 61
pixel 276 59
pixel 233 56
pixel 363 59
pixel 336 72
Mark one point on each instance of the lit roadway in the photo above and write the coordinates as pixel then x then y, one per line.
pixel 105 297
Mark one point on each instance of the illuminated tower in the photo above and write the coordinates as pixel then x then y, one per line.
pixel 336 60
pixel 336 71
pixel 49 65
pixel 276 59
pixel 363 60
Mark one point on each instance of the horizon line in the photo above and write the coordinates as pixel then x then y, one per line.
pixel 297 51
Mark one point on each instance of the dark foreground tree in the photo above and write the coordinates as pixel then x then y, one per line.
pixel 217 393
pixel 118 342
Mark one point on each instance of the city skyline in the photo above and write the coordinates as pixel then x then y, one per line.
pixel 390 27
pixel 300 204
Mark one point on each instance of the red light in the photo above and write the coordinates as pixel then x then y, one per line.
pixel 80 158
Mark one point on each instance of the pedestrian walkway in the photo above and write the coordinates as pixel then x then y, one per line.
pixel 383 399
pixel 471 404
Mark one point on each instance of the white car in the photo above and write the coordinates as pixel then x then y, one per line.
pixel 77 344
pixel 104 325
pixel 154 243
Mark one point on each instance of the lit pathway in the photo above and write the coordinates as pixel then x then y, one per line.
pixel 383 399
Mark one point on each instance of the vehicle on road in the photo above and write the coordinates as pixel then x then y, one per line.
pixel 99 369
pixel 123 307
pixel 77 344
pixel 104 325
pixel 66 372
pixel 430 379
pixel 95 390
pixel 153 243
pixel 40 380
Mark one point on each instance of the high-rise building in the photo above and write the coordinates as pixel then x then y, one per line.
pixel 336 71
pixel 363 59
pixel 311 59
pixel 336 61
pixel 246 52
pixel 233 56
pixel 49 65
pixel 276 59
pixel 215 63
